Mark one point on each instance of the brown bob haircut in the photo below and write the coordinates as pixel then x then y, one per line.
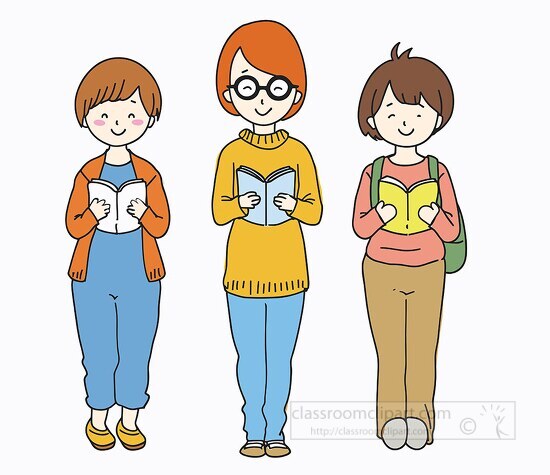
pixel 116 79
pixel 409 78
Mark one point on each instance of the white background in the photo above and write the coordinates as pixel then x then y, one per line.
pixel 494 340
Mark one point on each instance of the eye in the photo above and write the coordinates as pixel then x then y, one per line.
pixel 104 116
pixel 279 88
pixel 246 87
pixel 131 116
pixel 391 115
pixel 418 115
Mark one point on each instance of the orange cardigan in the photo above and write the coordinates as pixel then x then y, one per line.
pixel 81 222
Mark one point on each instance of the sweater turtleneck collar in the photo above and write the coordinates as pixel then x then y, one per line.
pixel 268 141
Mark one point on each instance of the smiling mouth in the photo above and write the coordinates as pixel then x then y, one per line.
pixel 403 133
pixel 265 113
pixel 119 134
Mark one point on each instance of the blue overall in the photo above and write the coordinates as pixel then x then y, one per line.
pixel 117 312
pixel 265 331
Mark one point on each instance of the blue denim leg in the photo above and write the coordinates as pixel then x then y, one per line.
pixel 283 323
pixel 96 322
pixel 117 312
pixel 248 323
pixel 138 312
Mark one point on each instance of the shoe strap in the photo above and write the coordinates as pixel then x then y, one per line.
pixel 254 444
pixel 97 431
pixel 128 431
pixel 276 443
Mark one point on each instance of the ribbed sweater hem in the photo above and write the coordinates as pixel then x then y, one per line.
pixel 256 288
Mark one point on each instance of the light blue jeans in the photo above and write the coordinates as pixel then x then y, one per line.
pixel 117 311
pixel 264 332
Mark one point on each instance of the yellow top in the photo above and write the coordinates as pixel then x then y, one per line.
pixel 265 261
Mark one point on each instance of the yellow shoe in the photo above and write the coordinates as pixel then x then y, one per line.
pixel 130 439
pixel 100 439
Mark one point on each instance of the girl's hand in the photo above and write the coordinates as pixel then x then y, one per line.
pixel 99 208
pixel 249 200
pixel 428 213
pixel 285 202
pixel 386 212
pixel 137 208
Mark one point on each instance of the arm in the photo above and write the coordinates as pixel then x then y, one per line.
pixel 366 220
pixel 446 223
pixel 309 207
pixel 156 218
pixel 225 202
pixel 79 219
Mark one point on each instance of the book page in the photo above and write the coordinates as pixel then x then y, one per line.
pixel 246 183
pixel 393 194
pixel 394 181
pixel 283 184
pixel 421 195
pixel 126 222
pixel 104 191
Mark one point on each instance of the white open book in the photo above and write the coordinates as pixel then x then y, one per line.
pixel 118 220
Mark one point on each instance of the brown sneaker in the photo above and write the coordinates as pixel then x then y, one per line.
pixel 276 448
pixel 253 448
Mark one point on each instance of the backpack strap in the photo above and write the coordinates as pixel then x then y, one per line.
pixel 375 180
pixel 434 174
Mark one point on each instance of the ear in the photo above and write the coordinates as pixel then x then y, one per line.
pixel 438 122
pixel 151 122
pixel 84 123
pixel 297 97
pixel 370 121
pixel 227 95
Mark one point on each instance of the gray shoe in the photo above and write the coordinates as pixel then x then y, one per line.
pixel 394 433
pixel 417 433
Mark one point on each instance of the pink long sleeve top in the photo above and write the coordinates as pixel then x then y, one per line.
pixel 413 249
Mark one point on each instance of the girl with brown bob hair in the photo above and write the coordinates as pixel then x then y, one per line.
pixel 117 211
pixel 407 209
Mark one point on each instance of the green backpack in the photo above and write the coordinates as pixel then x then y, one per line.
pixel 455 252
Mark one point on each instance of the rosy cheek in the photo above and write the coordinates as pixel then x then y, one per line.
pixel 137 122
pixel 99 122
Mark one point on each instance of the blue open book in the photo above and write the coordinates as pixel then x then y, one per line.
pixel 280 181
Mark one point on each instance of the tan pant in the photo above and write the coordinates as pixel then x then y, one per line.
pixel 404 305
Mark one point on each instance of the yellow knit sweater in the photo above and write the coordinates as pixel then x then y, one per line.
pixel 265 261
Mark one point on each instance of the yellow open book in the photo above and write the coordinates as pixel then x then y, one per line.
pixel 407 202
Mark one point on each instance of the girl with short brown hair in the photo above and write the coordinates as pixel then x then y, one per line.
pixel 404 102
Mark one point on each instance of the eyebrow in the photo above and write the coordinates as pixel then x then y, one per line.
pixel 245 71
pixel 133 101
pixel 421 105
pixel 390 104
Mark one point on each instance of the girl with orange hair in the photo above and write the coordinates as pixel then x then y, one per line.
pixel 266 187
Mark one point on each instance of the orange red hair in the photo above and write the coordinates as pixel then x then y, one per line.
pixel 270 47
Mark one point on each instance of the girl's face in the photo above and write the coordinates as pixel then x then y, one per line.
pixel 259 97
pixel 404 125
pixel 119 123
